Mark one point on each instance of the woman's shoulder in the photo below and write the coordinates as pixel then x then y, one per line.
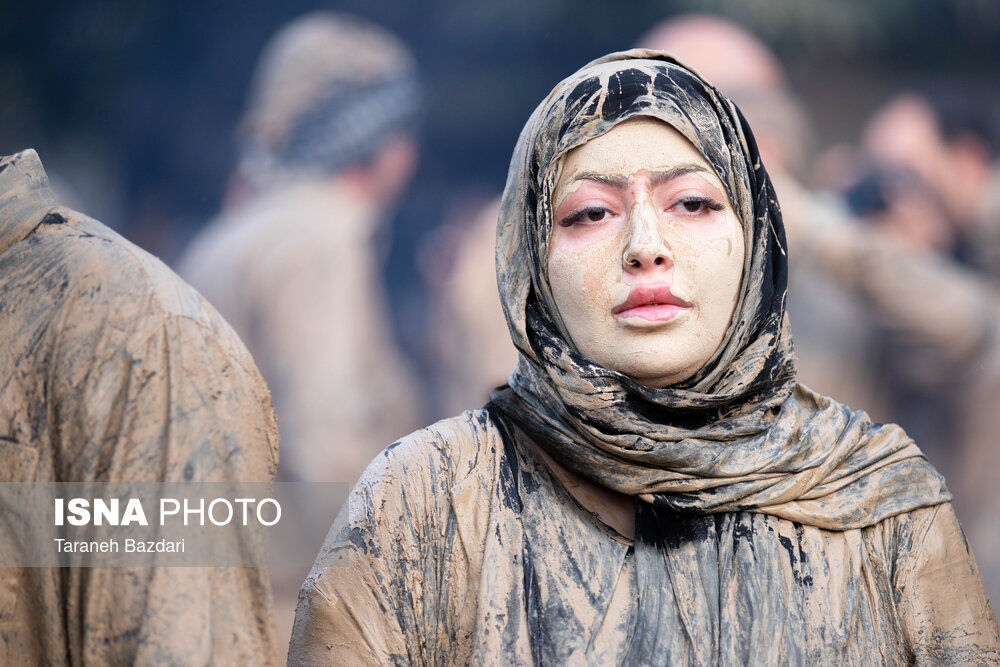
pixel 927 533
pixel 925 542
pixel 945 610
pixel 446 452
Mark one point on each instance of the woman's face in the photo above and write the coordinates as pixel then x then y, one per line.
pixel 646 254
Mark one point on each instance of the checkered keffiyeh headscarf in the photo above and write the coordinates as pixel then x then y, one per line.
pixel 328 90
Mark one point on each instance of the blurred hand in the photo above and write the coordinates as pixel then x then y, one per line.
pixel 917 221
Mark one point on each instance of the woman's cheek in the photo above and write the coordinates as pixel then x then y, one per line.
pixel 709 267
pixel 583 280
pixel 582 236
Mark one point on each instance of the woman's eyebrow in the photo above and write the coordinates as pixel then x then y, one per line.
pixel 612 181
pixel 655 178
pixel 660 177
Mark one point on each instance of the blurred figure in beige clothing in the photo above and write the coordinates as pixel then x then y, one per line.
pixel 112 369
pixel 945 144
pixel 946 140
pixel 471 347
pixel 294 260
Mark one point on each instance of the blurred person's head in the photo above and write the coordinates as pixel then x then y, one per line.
pixel 721 51
pixel 333 97
pixel 945 141
pixel 746 70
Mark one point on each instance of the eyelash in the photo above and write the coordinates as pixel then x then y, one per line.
pixel 708 203
pixel 577 216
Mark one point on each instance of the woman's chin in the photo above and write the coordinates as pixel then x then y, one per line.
pixel 653 361
pixel 657 374
pixel 661 381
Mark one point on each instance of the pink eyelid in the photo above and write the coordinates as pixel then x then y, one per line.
pixel 709 203
pixel 675 198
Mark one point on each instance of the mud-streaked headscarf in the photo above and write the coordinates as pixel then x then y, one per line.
pixel 740 434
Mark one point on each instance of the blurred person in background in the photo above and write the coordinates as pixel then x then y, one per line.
pixel 294 260
pixel 942 144
pixel 471 347
pixel 106 363
pixel 932 186
pixel 852 283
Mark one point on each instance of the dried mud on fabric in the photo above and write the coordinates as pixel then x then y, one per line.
pixel 113 370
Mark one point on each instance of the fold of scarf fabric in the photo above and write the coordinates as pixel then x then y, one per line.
pixel 740 435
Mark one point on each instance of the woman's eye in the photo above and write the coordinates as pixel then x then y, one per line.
pixel 590 214
pixel 596 214
pixel 699 205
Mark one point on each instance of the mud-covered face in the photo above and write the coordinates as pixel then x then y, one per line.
pixel 646 253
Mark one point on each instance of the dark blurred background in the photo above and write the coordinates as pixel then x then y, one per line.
pixel 132 104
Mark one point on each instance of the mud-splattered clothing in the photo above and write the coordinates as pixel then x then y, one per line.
pixel 297 273
pixel 113 369
pixel 458 546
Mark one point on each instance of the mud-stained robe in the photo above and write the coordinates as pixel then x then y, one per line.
pixel 459 547
pixel 112 369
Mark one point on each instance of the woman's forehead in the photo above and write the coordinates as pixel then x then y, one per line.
pixel 638 144
pixel 656 140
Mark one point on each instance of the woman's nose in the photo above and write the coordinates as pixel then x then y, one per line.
pixel 646 249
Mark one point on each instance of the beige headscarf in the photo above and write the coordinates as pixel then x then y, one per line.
pixel 740 434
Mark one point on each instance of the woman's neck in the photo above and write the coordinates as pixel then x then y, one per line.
pixel 614 509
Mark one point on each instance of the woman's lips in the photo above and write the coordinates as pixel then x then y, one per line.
pixel 651 302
